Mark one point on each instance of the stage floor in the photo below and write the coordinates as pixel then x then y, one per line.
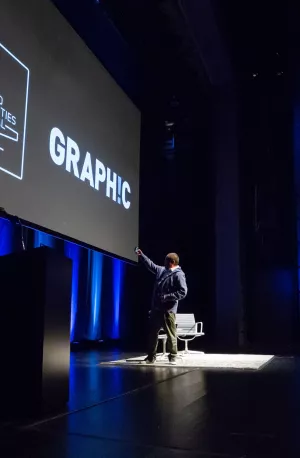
pixel 162 412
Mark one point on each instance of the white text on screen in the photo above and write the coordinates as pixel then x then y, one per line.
pixel 64 150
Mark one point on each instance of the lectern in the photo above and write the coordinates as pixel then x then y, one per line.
pixel 35 304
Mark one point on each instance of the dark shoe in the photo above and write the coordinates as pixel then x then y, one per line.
pixel 149 360
pixel 172 360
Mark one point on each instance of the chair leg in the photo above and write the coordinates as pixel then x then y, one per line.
pixel 186 347
pixel 164 346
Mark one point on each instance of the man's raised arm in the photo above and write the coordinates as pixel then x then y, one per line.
pixel 148 263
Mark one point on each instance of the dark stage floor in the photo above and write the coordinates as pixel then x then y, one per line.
pixel 167 412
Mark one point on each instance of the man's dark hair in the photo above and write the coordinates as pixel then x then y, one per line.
pixel 173 257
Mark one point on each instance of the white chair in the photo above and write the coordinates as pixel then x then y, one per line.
pixel 188 329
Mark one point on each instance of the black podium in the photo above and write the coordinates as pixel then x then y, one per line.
pixel 35 304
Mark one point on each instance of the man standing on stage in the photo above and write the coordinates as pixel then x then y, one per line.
pixel 170 287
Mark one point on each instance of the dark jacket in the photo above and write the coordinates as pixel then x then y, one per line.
pixel 170 286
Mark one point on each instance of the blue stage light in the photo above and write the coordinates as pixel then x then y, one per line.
pixel 118 274
pixel 72 251
pixel 6 237
pixel 96 290
pixel 43 239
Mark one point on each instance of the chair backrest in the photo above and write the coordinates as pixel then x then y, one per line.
pixel 186 322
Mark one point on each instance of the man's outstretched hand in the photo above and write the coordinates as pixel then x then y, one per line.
pixel 139 252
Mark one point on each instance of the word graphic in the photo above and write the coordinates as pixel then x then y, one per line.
pixel 65 150
pixel 14 88
pixel 7 120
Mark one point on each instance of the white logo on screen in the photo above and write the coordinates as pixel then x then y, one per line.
pixel 7 122
pixel 64 150
pixel 13 112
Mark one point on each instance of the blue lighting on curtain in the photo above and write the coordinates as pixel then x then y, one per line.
pixel 282 283
pixel 170 143
pixel 41 238
pixel 118 273
pixel 6 237
pixel 96 289
pixel 297 180
pixel 72 251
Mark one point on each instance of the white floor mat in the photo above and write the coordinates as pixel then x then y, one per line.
pixel 199 360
